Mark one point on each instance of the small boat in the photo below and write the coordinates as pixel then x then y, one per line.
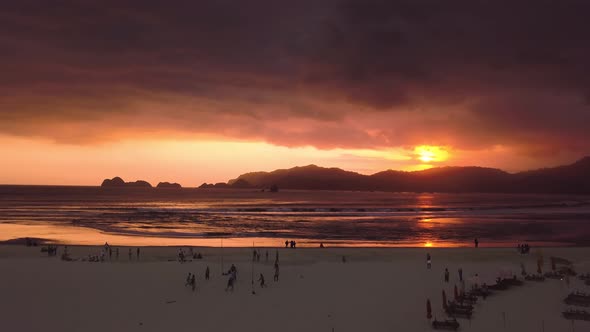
pixel 448 324
pixel 576 314
pixel 460 306
pixel 578 299
pixel 499 286
pixel 513 281
pixel 534 277
pixel 459 312
pixel 467 298
pixel 554 275
pixel 480 292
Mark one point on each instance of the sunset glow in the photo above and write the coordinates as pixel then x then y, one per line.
pixel 183 98
pixel 429 154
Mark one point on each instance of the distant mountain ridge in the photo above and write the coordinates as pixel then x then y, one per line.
pixel 570 179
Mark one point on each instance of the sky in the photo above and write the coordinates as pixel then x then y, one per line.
pixel 202 91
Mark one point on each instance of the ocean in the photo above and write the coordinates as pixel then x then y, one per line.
pixel 231 217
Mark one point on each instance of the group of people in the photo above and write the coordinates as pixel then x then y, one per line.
pixel 182 255
pixel 291 244
pixel 256 256
pixel 191 279
pixel 50 249
pixel 137 252
pixel 446 273
pixel 233 277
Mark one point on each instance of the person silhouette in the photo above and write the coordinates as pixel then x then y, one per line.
pixel 261 279
pixel 276 276
pixel 207 273
pixel 230 283
pixel 446 275
pixel 476 241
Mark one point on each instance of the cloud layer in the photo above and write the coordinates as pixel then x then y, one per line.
pixel 330 74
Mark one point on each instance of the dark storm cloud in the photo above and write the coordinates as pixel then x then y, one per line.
pixel 388 73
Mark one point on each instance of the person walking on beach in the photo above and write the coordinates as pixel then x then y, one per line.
pixel 476 241
pixel 276 277
pixel 233 271
pixel 137 253
pixel 261 279
pixel 446 275
pixel 230 283
pixel 428 261
pixel 193 282
pixel 207 273
pixel 286 243
pixel 460 274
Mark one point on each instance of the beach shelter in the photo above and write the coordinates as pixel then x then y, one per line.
pixel 428 309
pixel 456 293
pixel 444 298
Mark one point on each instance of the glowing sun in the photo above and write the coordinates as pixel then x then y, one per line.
pixel 428 154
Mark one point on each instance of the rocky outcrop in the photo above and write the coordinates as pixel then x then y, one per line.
pixel 168 185
pixel 117 182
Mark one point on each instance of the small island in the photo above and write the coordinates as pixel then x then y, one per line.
pixel 117 182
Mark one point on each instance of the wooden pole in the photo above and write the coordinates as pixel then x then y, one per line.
pixel 253 292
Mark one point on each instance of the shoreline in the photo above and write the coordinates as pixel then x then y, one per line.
pixel 232 242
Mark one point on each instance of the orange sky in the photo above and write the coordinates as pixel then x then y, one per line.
pixel 203 91
pixel 192 162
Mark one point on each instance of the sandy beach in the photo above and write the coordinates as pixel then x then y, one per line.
pixel 377 289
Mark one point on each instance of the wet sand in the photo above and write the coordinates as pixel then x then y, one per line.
pixel 377 289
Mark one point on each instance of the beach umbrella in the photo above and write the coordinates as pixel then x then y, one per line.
pixel 428 309
pixel 456 293
pixel 444 296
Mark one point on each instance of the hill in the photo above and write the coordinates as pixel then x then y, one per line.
pixel 572 179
